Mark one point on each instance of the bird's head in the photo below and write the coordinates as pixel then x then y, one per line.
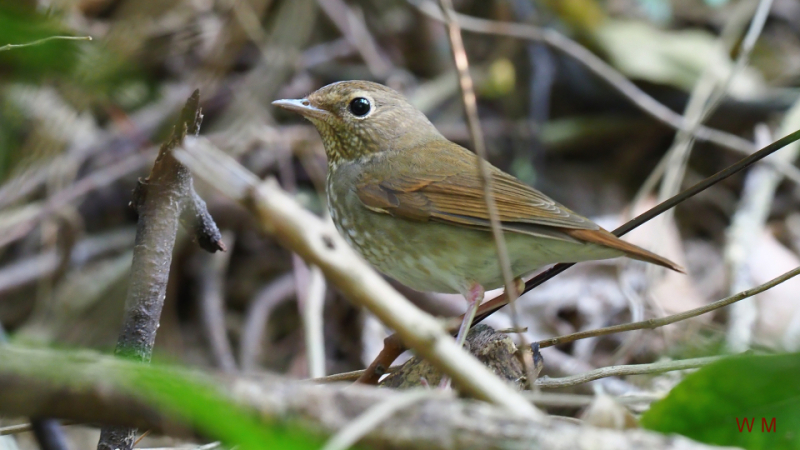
pixel 360 118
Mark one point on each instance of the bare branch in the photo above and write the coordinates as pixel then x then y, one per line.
pixel 267 299
pixel 660 322
pixel 621 371
pixel 355 31
pixel 211 286
pixel 161 200
pixel 312 311
pixel 374 416
pixel 577 400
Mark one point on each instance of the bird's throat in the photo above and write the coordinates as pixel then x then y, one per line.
pixel 336 150
pixel 339 146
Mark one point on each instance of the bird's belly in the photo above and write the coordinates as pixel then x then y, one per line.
pixel 429 256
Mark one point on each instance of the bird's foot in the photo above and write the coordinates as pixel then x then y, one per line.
pixel 474 296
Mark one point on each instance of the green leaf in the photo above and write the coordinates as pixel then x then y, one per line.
pixel 204 408
pixel 190 397
pixel 711 405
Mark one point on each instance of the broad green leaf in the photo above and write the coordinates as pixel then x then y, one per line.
pixel 204 408
pixel 747 401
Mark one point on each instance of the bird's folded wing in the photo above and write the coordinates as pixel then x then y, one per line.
pixel 452 193
pixel 455 195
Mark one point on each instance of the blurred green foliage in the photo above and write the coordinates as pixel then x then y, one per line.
pixel 106 69
pixel 189 397
pixel 19 25
pixel 712 404
pixel 96 76
pixel 202 407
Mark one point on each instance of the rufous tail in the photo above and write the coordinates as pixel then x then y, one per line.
pixel 604 238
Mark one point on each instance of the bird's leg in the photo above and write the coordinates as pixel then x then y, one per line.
pixel 474 296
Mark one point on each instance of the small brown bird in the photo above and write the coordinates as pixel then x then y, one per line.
pixel 412 204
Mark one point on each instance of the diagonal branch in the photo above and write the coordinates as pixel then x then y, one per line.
pixel 662 321
pixel 487 309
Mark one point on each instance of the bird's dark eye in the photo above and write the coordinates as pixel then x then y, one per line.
pixel 360 106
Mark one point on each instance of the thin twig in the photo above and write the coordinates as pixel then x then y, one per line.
pixel 47 39
pixel 476 136
pixel 471 110
pixel 139 439
pixel 97 180
pixel 211 284
pixel 662 321
pixel 621 371
pixel 347 376
pixel 313 325
pixel 745 230
pixel 371 418
pixel 355 31
pixel 554 399
pixel 267 299
pixel 705 98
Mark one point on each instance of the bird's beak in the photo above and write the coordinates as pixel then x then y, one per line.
pixel 302 106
